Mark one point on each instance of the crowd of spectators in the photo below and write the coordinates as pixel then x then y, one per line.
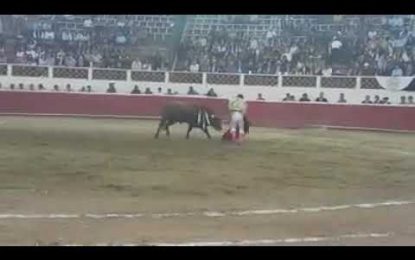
pixel 43 43
pixel 363 49
pixel 409 100
pixel 386 49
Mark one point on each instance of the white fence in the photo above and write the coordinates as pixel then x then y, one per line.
pixel 272 87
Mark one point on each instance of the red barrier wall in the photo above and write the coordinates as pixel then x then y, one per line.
pixel 273 114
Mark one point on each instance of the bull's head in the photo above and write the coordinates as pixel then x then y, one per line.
pixel 216 122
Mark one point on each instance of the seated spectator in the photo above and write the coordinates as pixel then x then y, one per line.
pixel 194 67
pixel 342 99
pixel 82 89
pixel 12 86
pixel 287 97
pixel 385 101
pixel 111 88
pixel 411 100
pixel 136 64
pixel 367 100
pixel 327 71
pixel 260 98
pixel 191 91
pixel 40 87
pixel 136 90
pixel 304 98
pixel 148 91
pixel 403 100
pixel 377 100
pixel 397 72
pixel 21 86
pixel 56 88
pixel 211 93
pixel 169 92
pixel 88 88
pixel 68 88
pixel 31 87
pixel 292 98
pixel 321 98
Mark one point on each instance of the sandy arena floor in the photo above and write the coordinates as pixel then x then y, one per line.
pixel 102 181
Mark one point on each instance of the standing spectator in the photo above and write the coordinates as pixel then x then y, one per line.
pixel 342 99
pixel 287 97
pixel 260 98
pixel 88 88
pixel 111 88
pixel 56 88
pixel 12 86
pixel 191 91
pixel 377 100
pixel 211 93
pixel 82 89
pixel 385 101
pixel 160 91
pixel 411 100
pixel 32 87
pixel 136 90
pixel 41 87
pixel 68 88
pixel 169 92
pixel 148 91
pixel 335 50
pixel 367 100
pixel 21 86
pixel 321 98
pixel 304 98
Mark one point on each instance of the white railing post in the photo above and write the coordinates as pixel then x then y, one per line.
pixel 166 77
pixel 279 81
pixel 241 80
pixel 90 73
pixel 318 82
pixel 9 70
pixel 50 72
pixel 204 79
pixel 358 82
pixel 128 76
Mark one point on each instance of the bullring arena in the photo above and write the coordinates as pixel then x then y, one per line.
pixel 106 181
pixel 83 168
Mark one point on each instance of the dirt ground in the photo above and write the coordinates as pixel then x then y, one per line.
pixel 100 166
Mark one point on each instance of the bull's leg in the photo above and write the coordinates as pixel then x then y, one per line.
pixel 162 122
pixel 189 129
pixel 207 132
pixel 168 123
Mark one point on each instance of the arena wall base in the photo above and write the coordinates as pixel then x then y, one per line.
pixel 262 114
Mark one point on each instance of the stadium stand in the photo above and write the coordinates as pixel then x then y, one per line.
pixel 260 53
pixel 294 44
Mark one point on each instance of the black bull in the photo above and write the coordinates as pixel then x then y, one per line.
pixel 194 115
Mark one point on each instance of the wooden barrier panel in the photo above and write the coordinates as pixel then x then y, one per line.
pixel 270 114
